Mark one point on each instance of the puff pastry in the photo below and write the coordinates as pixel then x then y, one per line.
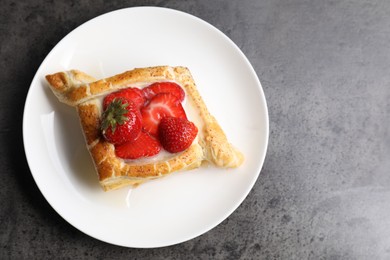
pixel 85 93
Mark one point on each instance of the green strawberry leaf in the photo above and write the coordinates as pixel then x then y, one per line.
pixel 114 115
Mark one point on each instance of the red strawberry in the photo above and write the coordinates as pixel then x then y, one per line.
pixel 176 134
pixel 121 121
pixel 143 146
pixel 164 87
pixel 161 105
pixel 133 94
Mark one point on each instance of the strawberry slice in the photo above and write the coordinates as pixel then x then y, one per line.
pixel 161 105
pixel 133 94
pixel 176 134
pixel 164 87
pixel 144 146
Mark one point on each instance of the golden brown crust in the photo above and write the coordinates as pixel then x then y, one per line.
pixel 67 85
pixel 90 121
pixel 216 147
pixel 78 89
pixel 70 90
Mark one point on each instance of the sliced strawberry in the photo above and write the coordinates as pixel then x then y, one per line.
pixel 144 146
pixel 133 94
pixel 164 87
pixel 161 105
pixel 121 121
pixel 176 134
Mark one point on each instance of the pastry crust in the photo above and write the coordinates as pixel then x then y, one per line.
pixel 82 91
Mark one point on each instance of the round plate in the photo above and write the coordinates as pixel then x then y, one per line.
pixel 182 205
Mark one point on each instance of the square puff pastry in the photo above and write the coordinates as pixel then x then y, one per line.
pixel 82 91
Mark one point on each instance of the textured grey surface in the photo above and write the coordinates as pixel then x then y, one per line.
pixel 324 190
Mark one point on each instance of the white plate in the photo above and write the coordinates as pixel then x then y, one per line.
pixel 172 209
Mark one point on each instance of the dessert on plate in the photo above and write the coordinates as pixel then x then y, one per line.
pixel 144 123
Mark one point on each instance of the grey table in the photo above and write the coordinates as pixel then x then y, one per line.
pixel 324 190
